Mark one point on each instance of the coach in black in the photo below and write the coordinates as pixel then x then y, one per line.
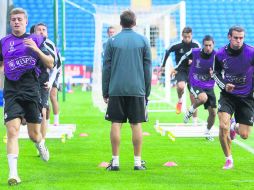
pixel 126 84
pixel 181 72
pixel 233 71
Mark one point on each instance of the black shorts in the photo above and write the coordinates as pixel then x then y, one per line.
pixel 44 97
pixel 241 107
pixel 22 99
pixel 121 108
pixel 56 83
pixel 182 76
pixel 211 101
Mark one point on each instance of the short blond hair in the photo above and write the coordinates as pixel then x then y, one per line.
pixel 19 11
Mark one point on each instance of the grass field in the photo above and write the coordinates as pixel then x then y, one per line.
pixel 74 164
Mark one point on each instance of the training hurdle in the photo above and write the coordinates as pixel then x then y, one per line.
pixel 184 130
pixel 60 131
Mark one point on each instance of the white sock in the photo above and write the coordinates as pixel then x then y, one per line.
pixel 48 122
pixel 192 109
pixel 232 126
pixel 137 160
pixel 13 164
pixel 56 119
pixel 207 131
pixel 41 143
pixel 115 160
pixel 180 100
pixel 229 158
pixel 195 120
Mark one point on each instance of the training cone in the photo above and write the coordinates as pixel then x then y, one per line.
pixel 103 164
pixel 63 138
pixel 146 134
pixel 170 164
pixel 83 135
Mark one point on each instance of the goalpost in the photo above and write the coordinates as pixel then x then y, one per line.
pixel 161 24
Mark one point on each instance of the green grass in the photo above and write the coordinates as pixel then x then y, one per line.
pixel 74 164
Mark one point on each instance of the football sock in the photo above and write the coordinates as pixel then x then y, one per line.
pixel 115 160
pixel 137 160
pixel 13 162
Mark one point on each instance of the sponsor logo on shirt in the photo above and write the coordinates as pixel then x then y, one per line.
pixel 198 64
pixel 21 62
pixel 11 46
pixel 225 64
pixel 236 79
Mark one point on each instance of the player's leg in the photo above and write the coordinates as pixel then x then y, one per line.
pixel 210 122
pixel 195 114
pixel 199 97
pixel 55 105
pixel 244 131
pixel 45 106
pixel 34 117
pixel 35 135
pixel 13 112
pixel 226 108
pixel 116 114
pixel 136 115
pixel 244 116
pixel 13 127
pixel 44 123
pixel 115 136
pixel 181 79
pixel 211 106
pixel 137 145
pixel 225 141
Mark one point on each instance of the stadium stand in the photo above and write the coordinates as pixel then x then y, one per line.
pixel 205 17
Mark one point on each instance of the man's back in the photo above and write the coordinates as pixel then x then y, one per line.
pixel 129 58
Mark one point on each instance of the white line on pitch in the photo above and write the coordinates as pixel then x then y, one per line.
pixel 245 146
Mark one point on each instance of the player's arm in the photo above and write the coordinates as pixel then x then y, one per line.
pixel 166 55
pixel 50 46
pixel 59 61
pixel 52 77
pixel 147 64
pixel 42 52
pixel 187 55
pixel 106 71
pixel 217 74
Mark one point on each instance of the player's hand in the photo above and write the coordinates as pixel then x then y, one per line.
pixel 229 87
pixel 189 62
pixel 146 99
pixel 47 85
pixel 173 73
pixel 31 44
pixel 105 100
pixel 162 69
pixel 211 72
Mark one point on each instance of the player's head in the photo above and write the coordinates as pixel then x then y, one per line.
pixel 208 44
pixel 111 31
pixel 18 21
pixel 41 29
pixel 236 37
pixel 187 34
pixel 128 19
pixel 32 29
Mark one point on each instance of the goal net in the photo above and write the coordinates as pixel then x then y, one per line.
pixel 162 25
